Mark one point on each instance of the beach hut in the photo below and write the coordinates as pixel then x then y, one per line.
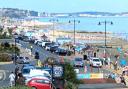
pixel 44 37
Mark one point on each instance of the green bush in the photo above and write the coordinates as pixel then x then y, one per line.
pixel 71 78
pixel 7 48
pixel 70 85
pixel 70 74
pixel 17 87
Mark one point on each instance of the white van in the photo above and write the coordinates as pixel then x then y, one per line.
pixel 95 62
pixel 30 73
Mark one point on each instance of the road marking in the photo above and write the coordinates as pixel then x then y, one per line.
pixel 2 75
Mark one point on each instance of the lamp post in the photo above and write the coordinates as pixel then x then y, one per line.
pixel 105 25
pixel 15 51
pixel 74 27
pixel 15 59
pixel 53 28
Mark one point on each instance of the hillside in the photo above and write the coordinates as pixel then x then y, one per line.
pixel 17 13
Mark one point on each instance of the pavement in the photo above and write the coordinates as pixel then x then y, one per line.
pixel 102 86
pixel 118 72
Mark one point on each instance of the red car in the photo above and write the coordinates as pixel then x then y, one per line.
pixel 39 83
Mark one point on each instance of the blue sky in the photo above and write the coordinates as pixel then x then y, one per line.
pixel 68 5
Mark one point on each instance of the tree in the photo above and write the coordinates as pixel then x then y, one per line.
pixel 6 44
pixel 1 30
pixel 70 76
pixel 10 31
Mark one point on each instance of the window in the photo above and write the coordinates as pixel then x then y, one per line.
pixel 43 81
pixel 97 60
pixel 26 71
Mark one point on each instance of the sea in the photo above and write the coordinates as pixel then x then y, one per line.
pixel 90 24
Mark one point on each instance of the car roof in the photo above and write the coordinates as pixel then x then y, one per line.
pixel 94 58
pixel 28 67
pixel 78 58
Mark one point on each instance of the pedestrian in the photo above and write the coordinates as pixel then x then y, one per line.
pixel 12 79
pixel 31 48
pixel 115 65
pixel 122 79
pixel 16 73
pixel 21 79
pixel 123 71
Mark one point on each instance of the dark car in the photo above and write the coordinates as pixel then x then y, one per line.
pixel 61 51
pixel 53 48
pixel 69 52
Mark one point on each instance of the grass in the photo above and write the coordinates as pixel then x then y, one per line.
pixel 17 87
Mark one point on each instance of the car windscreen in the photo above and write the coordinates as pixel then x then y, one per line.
pixel 26 57
pixel 26 71
pixel 97 60
pixel 48 44
pixel 78 59
pixel 21 57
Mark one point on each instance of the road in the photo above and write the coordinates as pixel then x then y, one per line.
pixel 8 68
pixel 42 52
pixel 43 55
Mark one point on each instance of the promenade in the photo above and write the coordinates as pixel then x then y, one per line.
pixel 117 72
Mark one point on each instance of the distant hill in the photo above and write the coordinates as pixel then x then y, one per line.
pixel 19 13
pixel 91 14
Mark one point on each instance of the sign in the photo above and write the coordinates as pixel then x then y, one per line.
pixel 83 76
pixel 57 71
pixel 96 75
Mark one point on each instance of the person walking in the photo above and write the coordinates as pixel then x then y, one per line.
pixel 21 79
pixel 12 79
pixel 122 80
pixel 115 65
pixel 16 73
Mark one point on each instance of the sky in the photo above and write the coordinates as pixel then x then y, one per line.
pixel 63 6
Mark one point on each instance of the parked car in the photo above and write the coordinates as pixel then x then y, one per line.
pixel 61 51
pixel 70 52
pixel 39 83
pixel 48 46
pixel 95 62
pixel 30 72
pixel 39 43
pixel 22 60
pixel 46 43
pixel 36 41
pixel 53 49
pixel 27 65
pixel 78 62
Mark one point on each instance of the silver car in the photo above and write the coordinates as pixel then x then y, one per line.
pixel 22 60
pixel 78 62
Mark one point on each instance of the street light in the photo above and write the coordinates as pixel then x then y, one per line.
pixel 15 59
pixel 53 22
pixel 74 24
pixel 105 24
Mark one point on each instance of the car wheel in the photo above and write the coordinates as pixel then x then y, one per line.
pixel 34 88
